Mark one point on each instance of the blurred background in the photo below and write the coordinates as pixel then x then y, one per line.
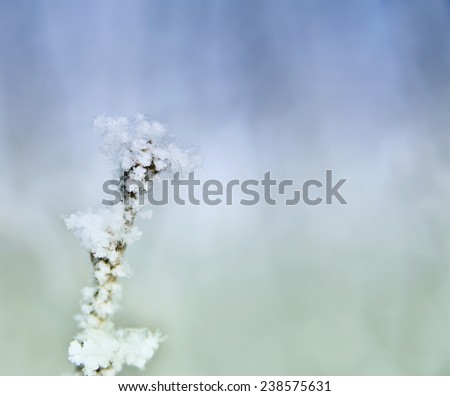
pixel 294 87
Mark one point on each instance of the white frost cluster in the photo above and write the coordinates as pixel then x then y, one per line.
pixel 109 350
pixel 140 152
pixel 135 142
pixel 100 229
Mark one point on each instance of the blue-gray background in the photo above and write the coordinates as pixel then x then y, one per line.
pixel 295 87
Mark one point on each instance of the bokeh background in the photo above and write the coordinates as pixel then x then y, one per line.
pixel 295 87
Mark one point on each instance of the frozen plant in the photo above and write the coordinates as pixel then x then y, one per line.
pixel 141 154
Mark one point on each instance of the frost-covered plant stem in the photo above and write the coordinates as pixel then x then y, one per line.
pixel 106 289
pixel 141 155
pixel 106 285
